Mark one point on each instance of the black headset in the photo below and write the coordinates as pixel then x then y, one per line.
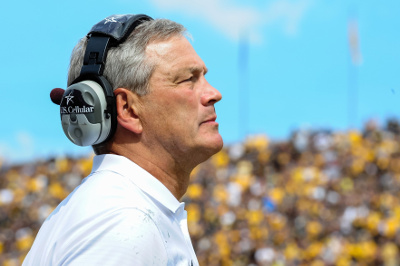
pixel 87 107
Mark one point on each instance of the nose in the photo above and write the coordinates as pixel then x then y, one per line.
pixel 210 95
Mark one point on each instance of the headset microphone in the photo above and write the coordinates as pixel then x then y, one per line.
pixel 56 95
pixel 87 106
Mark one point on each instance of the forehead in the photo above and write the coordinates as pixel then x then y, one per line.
pixel 175 53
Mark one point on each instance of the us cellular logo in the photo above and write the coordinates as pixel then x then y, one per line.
pixel 79 106
pixel 77 110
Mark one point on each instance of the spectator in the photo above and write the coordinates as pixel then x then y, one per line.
pixel 333 200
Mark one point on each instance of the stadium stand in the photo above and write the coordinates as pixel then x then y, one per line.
pixel 318 198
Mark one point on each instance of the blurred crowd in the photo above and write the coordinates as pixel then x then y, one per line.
pixel 317 198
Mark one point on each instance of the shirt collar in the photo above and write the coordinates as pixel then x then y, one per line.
pixel 140 177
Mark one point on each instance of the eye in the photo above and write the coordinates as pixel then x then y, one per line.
pixel 188 80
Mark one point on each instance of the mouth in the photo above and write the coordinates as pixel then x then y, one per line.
pixel 210 120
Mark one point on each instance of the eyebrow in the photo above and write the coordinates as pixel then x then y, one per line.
pixel 198 69
pixel 193 69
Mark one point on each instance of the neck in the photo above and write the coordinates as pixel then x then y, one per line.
pixel 173 174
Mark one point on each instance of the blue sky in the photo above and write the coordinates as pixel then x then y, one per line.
pixel 299 69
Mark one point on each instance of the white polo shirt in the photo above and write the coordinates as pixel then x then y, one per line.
pixel 119 215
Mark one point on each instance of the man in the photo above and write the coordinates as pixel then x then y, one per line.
pixel 127 211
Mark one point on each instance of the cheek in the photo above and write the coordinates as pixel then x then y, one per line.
pixel 189 109
pixel 176 108
pixel 185 103
pixel 189 99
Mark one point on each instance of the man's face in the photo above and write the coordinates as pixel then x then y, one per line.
pixel 179 111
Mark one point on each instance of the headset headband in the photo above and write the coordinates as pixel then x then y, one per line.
pixel 109 32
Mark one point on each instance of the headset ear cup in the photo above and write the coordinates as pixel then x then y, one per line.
pixel 87 109
pixel 85 114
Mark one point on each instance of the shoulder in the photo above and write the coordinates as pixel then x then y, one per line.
pixel 107 195
pixel 127 235
pixel 121 237
pixel 107 220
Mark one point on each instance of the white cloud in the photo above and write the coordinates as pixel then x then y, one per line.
pixel 290 14
pixel 231 20
pixel 234 20
pixel 21 148
pixel 25 140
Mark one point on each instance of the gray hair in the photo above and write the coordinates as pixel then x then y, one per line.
pixel 126 65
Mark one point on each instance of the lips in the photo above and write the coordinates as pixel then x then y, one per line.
pixel 210 119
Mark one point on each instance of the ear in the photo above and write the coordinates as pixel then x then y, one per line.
pixel 127 105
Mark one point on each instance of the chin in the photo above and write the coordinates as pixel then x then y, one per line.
pixel 219 144
pixel 213 145
pixel 205 146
